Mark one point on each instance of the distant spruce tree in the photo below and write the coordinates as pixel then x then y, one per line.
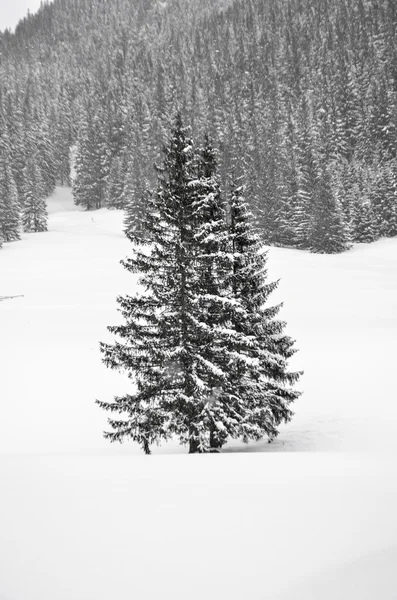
pixel 85 183
pixel 115 197
pixel 182 342
pixel 386 204
pixel 364 227
pixel 15 126
pixel 45 155
pixel 136 196
pixel 34 213
pixel 9 202
pixel 328 233
pixel 92 161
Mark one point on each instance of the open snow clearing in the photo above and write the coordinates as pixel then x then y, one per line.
pixel 311 515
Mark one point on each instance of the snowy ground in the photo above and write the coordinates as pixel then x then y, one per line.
pixel 311 516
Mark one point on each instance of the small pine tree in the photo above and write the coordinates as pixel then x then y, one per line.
pixel 2 217
pixel 328 233
pixel 34 215
pixel 135 199
pixel 364 229
pixel 45 155
pixel 85 183
pixel 386 207
pixel 17 139
pixel 91 162
pixel 9 203
pixel 115 188
pixel 290 218
pixel 84 186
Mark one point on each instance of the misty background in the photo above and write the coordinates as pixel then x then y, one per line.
pixel 11 13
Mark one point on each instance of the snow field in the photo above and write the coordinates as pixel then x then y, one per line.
pixel 342 310
pixel 228 526
pixel 311 516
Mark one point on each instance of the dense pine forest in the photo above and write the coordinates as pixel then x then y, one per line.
pixel 299 97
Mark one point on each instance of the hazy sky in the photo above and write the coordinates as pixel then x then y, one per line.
pixel 13 10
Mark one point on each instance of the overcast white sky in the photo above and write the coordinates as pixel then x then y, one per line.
pixel 13 10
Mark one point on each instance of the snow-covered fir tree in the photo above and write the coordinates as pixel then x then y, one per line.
pixel 9 203
pixel 84 183
pixel 364 227
pixel 43 148
pixel 328 233
pixel 260 375
pixel 34 213
pixel 159 337
pixel 199 374
pixel 136 190
pixel 15 126
pixel 212 268
pixel 115 187
pixel 92 161
pixel 385 201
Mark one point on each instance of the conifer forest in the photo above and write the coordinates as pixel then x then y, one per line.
pixel 298 97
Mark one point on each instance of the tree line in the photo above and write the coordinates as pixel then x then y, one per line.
pixel 300 95
pixel 22 192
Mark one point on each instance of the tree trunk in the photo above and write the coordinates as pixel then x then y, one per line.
pixel 215 442
pixel 194 446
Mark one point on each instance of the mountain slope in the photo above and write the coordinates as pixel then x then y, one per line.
pixel 300 96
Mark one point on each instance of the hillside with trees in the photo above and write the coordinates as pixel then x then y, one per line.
pixel 299 98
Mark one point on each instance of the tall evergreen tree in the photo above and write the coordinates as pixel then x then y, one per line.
pixel 92 161
pixel 115 188
pixel 136 201
pixel 260 376
pixel 159 335
pixel 386 201
pixel 9 203
pixel 15 125
pixel 34 214
pixel 173 359
pixel 182 342
pixel 137 185
pixel 213 264
pixel 364 226
pixel 328 230
pixel 85 182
